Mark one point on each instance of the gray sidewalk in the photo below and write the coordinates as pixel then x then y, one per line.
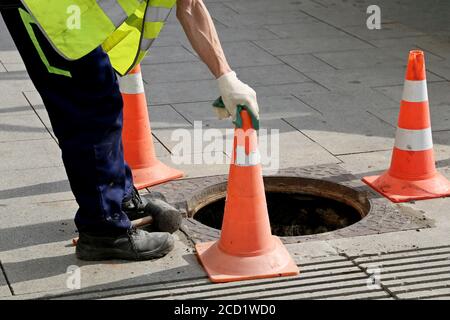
pixel 331 86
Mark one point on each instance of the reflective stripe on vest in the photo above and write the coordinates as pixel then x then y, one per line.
pixel 125 28
pixel 137 34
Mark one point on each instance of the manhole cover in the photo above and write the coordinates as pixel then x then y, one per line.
pixel 305 204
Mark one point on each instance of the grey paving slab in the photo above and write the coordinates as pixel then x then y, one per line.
pixel 387 31
pixel 256 6
pixel 294 148
pixel 28 225
pixel 273 107
pixel 311 45
pixel 174 72
pixel 357 100
pixel 35 100
pixel 10 56
pixel 33 186
pixel 169 54
pixel 389 242
pixel 42 268
pixel 166 117
pixel 306 62
pixel 346 132
pixel 243 32
pixel 364 58
pixel 264 18
pixel 270 75
pixel 178 92
pixel 246 54
pixel 14 67
pixel 438 93
pixel 439 98
pixel 338 14
pixel 371 163
pixel 13 128
pixel 4 289
pixel 16 155
pixel 297 89
pixel 315 29
pixel 344 80
pixel 442 70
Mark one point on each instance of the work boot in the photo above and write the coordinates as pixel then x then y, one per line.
pixel 135 244
pixel 135 208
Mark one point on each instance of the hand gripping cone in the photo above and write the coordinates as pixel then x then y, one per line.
pixel 137 138
pixel 412 175
pixel 246 249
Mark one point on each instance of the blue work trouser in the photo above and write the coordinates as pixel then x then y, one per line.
pixel 85 109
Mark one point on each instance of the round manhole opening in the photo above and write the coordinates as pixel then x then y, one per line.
pixel 296 206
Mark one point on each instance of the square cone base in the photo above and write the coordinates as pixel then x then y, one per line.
pixel 222 267
pixel 398 190
pixel 157 173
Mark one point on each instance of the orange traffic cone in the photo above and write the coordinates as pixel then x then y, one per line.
pixel 137 138
pixel 246 249
pixel 412 175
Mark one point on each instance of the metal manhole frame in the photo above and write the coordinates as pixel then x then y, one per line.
pixel 383 216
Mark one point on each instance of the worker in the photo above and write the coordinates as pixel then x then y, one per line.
pixel 74 52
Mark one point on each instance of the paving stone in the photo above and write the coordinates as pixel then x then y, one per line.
pixel 338 14
pixel 193 165
pixel 14 128
pixel 42 268
pixel 10 56
pixel 37 104
pixel 297 89
pixel 4 289
pixel 265 18
pixel 315 29
pixel 367 163
pixel 2 68
pixel 243 32
pixel 311 45
pixel 178 92
pixel 270 75
pixel 14 67
pixel 166 117
pixel 295 149
pixel 346 132
pixel 306 62
pixel 389 242
pixel 273 107
pixel 345 80
pixel 32 186
pixel 354 59
pixel 438 95
pixel 16 155
pixel 255 6
pixel 358 100
pixel 175 72
pixel 387 31
pixel 246 54
pixel 169 54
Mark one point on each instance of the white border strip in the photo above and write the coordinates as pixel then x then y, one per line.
pixel 131 84
pixel 413 140
pixel 415 91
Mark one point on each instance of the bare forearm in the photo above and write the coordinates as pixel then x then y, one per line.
pixel 200 30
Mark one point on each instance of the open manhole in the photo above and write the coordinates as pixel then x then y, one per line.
pixel 305 204
pixel 297 206
pixel 292 214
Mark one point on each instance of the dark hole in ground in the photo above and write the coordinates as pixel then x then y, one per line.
pixel 292 214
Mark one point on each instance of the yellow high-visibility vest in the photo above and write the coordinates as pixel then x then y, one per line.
pixel 124 28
